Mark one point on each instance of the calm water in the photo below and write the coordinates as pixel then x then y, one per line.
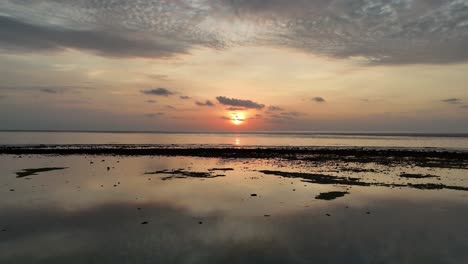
pixel 242 139
pixel 103 209
pixel 144 209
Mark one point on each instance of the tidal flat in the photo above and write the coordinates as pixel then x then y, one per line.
pixel 218 206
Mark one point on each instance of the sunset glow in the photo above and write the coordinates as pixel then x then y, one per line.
pixel 190 65
pixel 238 119
pixel 233 131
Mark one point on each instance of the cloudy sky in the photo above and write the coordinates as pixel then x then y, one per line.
pixel 221 65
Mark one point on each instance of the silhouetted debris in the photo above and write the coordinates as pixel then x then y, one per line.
pixel 317 178
pixel 330 195
pixel 357 169
pixel 253 195
pixel 200 222
pixel 144 223
pixel 221 169
pixel 328 179
pixel 180 174
pixel 28 172
pixel 417 176
pixel 388 157
pixel 12 190
pixel 328 214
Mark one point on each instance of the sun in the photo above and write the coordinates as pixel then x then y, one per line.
pixel 238 119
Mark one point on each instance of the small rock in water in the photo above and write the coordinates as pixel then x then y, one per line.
pixel 253 194
pixel 328 215
pixel 200 222
pixel 266 215
pixel 144 223
pixel 108 168
pixel 12 190
pixel 367 212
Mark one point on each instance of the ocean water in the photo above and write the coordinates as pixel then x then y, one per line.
pixel 199 210
pixel 267 139
pixel 141 209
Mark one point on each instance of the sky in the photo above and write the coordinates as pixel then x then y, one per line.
pixel 234 65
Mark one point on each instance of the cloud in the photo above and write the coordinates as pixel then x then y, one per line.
pixel 273 108
pixel 452 101
pixel 153 115
pixel 378 31
pixel 49 90
pixel 381 32
pixel 158 92
pixel 160 77
pixel 236 109
pixel 291 114
pixel 239 103
pixel 318 99
pixel 21 36
pixel 184 97
pixel 206 103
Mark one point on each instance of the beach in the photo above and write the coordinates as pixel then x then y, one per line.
pixel 189 204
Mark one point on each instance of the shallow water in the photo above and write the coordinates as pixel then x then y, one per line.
pixel 106 209
pixel 303 139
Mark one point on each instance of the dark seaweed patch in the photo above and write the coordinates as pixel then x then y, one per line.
pixel 328 179
pixel 181 174
pixel 29 172
pixel 221 169
pixel 417 176
pixel 330 195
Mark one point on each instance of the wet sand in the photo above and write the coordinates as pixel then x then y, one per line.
pixel 210 205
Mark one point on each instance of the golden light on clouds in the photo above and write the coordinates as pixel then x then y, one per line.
pixel 238 118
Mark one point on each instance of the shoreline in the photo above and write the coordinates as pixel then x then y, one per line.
pixel 436 158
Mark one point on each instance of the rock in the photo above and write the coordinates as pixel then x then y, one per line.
pixel 253 194
pixel 144 223
pixel 330 195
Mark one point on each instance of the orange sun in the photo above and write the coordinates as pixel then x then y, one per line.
pixel 238 119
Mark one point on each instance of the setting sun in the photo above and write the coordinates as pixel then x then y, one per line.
pixel 238 118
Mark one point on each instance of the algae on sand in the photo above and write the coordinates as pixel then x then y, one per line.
pixel 29 172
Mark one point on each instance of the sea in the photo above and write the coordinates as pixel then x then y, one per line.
pixel 241 139
pixel 207 210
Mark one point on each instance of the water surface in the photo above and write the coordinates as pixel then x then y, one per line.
pixel 113 209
